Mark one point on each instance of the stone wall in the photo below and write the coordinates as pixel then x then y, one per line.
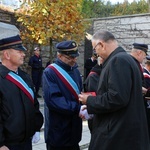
pixel 127 29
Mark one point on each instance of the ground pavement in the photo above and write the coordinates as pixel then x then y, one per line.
pixel 85 134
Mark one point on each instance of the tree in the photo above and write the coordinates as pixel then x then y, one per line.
pixel 46 20
pixel 99 8
pixel 127 8
pixel 87 8
pixel 148 5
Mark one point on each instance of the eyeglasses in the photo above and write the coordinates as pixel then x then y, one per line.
pixel 69 57
pixel 94 49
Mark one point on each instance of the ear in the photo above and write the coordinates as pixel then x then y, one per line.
pixel 59 55
pixel 139 52
pixel 6 54
pixel 103 45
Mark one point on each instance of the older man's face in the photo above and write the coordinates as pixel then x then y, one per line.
pixel 16 57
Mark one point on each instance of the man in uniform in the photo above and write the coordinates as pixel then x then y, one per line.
pixel 20 116
pixel 36 63
pixel 61 85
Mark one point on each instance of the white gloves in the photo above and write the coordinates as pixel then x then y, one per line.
pixel 84 114
pixel 36 137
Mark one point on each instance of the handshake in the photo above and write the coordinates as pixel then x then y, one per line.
pixel 84 114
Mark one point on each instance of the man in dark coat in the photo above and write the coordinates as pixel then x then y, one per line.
pixel 20 116
pixel 36 64
pixel 91 83
pixel 90 63
pixel 119 121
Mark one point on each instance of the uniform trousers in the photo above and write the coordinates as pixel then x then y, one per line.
pixel 36 78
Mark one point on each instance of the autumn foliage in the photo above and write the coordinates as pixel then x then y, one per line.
pixel 42 20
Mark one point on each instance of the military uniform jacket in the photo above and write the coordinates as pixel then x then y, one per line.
pixel 119 114
pixel 19 117
pixel 36 63
pixel 65 125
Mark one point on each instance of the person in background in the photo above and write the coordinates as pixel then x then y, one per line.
pixel 93 77
pixel 90 63
pixel 20 116
pixel 61 85
pixel 146 73
pixel 35 62
pixel 91 83
pixel 119 121
pixel 138 53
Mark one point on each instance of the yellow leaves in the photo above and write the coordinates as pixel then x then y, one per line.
pixel 44 11
pixel 20 19
pixel 40 41
pixel 31 28
pixel 54 19
pixel 62 36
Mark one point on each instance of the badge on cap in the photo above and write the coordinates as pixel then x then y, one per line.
pixel 68 48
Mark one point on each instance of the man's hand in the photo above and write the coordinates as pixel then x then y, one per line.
pixel 36 137
pixel 144 90
pixel 4 148
pixel 84 114
pixel 83 97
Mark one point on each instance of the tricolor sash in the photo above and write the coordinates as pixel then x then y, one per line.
pixel 17 80
pixel 146 75
pixel 66 79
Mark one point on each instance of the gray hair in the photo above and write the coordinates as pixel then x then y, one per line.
pixel 103 35
pixel 1 55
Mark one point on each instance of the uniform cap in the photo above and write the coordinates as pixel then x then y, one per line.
pixel 13 42
pixel 68 48
pixel 142 47
pixel 36 48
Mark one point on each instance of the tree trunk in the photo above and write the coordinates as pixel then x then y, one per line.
pixel 148 5
pixel 51 50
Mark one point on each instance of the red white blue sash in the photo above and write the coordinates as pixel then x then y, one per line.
pixel 146 75
pixel 66 79
pixel 17 80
